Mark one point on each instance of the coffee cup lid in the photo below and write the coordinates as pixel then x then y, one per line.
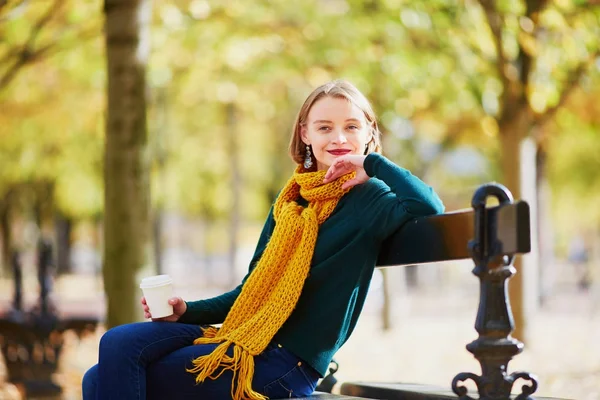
pixel 156 280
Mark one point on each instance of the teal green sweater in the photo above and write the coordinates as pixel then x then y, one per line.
pixel 342 266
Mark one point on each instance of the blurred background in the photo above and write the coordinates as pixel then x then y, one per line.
pixel 141 137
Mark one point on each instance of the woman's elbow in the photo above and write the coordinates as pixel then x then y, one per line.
pixel 432 209
pixel 434 202
pixel 425 207
pixel 438 207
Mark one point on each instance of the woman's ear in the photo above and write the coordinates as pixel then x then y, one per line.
pixel 304 135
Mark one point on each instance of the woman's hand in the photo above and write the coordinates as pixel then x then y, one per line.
pixel 179 308
pixel 345 164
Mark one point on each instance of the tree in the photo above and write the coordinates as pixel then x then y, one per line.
pixel 30 33
pixel 19 55
pixel 523 37
pixel 126 174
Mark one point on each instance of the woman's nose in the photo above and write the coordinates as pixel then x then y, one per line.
pixel 339 137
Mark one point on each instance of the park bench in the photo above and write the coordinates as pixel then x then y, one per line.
pixel 491 236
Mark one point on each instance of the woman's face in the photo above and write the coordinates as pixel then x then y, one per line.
pixel 335 127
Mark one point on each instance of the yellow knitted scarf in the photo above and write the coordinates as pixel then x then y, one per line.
pixel 272 290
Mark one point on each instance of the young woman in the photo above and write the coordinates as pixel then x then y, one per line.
pixel 306 284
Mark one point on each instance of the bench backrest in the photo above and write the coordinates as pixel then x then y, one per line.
pixel 446 237
pixel 491 236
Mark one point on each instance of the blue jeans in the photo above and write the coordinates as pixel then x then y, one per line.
pixel 148 360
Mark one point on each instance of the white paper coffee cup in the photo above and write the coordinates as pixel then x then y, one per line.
pixel 158 290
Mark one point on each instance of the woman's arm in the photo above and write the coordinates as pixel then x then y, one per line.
pixel 214 310
pixel 394 196
pixel 390 199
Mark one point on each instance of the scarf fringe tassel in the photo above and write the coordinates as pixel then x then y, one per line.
pixel 213 365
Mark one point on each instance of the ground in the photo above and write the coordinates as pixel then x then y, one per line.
pixel 426 344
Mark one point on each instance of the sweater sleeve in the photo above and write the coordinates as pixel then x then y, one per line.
pixel 214 310
pixel 395 196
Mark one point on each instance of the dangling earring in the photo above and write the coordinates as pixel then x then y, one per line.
pixel 307 159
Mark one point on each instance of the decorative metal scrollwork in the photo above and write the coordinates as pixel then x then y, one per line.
pixel 494 347
pixel 526 390
pixel 462 391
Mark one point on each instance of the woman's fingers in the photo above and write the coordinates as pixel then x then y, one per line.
pixel 343 165
pixel 329 172
pixel 350 183
pixel 337 169
pixel 361 177
pixel 144 304
pixel 147 314
pixel 179 306
pixel 170 318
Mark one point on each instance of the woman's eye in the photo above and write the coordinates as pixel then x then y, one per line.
pixel 353 127
pixel 323 128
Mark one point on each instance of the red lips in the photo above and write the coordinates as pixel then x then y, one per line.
pixel 338 152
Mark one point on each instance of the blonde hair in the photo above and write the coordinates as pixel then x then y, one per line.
pixel 338 89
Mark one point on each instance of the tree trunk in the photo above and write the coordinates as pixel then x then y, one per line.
pixel 62 227
pixel 545 228
pixel 43 208
pixel 207 253
pixel 160 157
pixel 511 134
pixel 126 175
pixel 236 190
pixel 5 236
pixel 386 307
pixel 386 313
pixel 157 233
pixel 281 165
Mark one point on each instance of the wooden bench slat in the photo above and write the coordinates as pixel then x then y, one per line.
pixel 446 237
pixel 397 391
